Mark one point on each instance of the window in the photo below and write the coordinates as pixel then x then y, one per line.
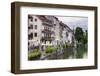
pixel 49 35
pixel 35 26
pixel 28 27
pixel 30 36
pixel 30 17
pixel 35 34
pixel 28 43
pixel 35 19
pixel 45 41
pixel 45 27
pixel 44 34
pixel 31 26
pixel 48 28
pixel 50 41
pixel 66 34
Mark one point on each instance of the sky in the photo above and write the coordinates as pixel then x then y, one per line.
pixel 74 22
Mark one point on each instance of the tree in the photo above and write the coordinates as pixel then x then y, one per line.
pixel 79 34
pixel 81 37
pixel 85 37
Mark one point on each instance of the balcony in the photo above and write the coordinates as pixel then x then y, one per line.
pixel 52 35
pixel 47 31
pixel 47 38
pixel 48 22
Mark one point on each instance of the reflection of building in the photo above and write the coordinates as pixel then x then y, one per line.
pixel 47 31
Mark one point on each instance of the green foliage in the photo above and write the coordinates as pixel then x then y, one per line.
pixel 81 51
pixel 34 55
pixel 65 45
pixel 79 34
pixel 80 54
pixel 50 49
pixel 85 37
pixel 82 38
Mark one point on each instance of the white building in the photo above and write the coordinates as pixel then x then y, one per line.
pixel 67 34
pixel 47 31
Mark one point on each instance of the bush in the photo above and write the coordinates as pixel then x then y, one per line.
pixel 65 45
pixel 50 49
pixel 34 55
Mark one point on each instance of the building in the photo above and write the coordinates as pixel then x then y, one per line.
pixel 67 34
pixel 46 31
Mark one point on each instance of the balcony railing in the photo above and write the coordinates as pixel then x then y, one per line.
pixel 48 22
pixel 47 31
pixel 47 38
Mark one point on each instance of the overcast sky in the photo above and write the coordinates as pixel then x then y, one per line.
pixel 74 22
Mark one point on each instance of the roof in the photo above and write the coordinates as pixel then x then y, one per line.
pixel 64 25
pixel 43 18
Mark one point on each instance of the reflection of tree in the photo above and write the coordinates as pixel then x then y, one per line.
pixel 81 38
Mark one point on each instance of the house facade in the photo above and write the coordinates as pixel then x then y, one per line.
pixel 46 31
